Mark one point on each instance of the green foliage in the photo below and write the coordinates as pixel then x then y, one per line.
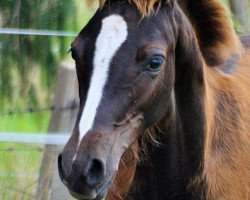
pixel 28 64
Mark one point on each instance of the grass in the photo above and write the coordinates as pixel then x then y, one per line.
pixel 29 123
pixel 20 163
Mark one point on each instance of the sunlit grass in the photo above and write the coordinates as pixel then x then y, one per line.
pixel 20 163
pixel 30 122
pixel 19 171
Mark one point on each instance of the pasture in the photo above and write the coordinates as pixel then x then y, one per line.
pixel 20 163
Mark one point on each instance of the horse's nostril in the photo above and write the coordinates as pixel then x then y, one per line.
pixel 95 173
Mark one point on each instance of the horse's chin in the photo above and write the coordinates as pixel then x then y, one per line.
pixel 95 194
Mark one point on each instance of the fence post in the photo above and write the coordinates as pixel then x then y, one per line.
pixel 62 121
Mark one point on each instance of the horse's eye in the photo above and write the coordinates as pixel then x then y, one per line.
pixel 155 64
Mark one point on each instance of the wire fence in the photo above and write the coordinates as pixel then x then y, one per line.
pixel 32 75
pixel 35 138
pixel 74 106
pixel 31 158
pixel 20 172
pixel 12 31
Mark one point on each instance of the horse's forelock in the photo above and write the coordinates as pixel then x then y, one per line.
pixel 146 7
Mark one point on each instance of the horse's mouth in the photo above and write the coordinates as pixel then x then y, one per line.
pixel 96 194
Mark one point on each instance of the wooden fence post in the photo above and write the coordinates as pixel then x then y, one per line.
pixel 62 121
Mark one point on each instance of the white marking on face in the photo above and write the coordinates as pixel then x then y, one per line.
pixel 112 35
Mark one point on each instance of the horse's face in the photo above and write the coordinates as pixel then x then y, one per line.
pixel 125 68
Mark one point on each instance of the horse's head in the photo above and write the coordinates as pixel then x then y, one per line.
pixel 125 67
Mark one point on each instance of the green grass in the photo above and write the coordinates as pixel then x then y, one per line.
pixel 19 171
pixel 20 163
pixel 29 123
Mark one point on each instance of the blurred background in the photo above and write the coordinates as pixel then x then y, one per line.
pixel 38 101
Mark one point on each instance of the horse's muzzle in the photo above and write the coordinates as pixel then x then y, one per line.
pixel 89 170
pixel 89 186
pixel 85 181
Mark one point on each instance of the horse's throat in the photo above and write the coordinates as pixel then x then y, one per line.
pixel 168 168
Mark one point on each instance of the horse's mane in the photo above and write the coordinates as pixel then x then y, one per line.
pixel 210 19
pixel 146 7
pixel 214 30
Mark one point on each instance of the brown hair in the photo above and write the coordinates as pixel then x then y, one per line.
pixel 214 30
pixel 146 7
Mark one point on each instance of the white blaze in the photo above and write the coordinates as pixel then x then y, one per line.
pixel 112 35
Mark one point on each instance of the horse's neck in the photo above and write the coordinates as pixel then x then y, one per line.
pixel 168 168
pixel 173 166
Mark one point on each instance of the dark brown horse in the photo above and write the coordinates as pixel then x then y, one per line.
pixel 164 104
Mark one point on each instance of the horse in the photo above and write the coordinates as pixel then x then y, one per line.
pixel 164 89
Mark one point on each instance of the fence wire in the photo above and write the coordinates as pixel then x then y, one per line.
pixel 74 106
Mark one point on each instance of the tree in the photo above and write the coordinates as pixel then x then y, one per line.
pixel 28 64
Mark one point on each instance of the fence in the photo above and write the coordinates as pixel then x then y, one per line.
pixel 62 121
pixel 49 185
pixel 50 138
